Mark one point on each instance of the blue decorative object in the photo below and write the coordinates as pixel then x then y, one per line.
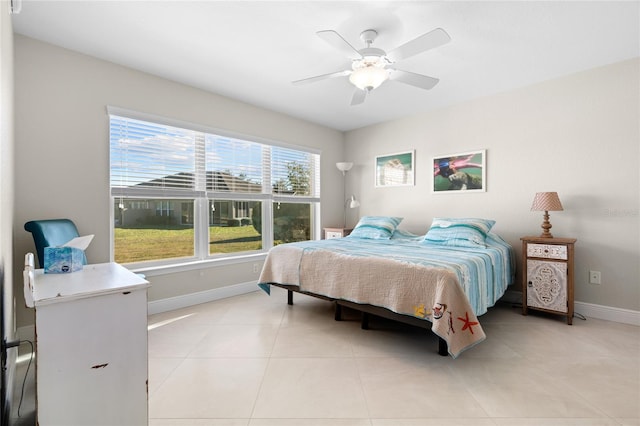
pixel 62 260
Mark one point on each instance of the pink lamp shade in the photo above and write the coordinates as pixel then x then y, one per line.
pixel 546 202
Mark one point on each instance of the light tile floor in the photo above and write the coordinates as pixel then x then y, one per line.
pixel 252 360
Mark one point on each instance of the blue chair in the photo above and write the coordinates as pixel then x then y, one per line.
pixel 51 233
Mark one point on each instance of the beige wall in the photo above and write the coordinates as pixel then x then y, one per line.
pixel 578 135
pixel 6 160
pixel 7 275
pixel 62 149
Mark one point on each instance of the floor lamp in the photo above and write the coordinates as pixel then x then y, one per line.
pixel 344 167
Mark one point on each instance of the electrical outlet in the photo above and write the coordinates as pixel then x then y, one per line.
pixel 256 268
pixel 594 277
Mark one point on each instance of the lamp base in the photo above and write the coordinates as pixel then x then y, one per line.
pixel 546 225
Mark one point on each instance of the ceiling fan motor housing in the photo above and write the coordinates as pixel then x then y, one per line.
pixel 372 52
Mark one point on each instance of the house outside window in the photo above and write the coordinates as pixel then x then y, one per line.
pixel 181 194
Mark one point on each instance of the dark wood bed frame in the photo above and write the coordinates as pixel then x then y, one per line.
pixel 366 310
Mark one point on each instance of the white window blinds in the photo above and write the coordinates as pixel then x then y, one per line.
pixel 151 159
pixel 233 165
pixel 295 173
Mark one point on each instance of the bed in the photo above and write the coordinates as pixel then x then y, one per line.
pixel 443 280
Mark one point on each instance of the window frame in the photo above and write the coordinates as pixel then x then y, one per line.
pixel 201 199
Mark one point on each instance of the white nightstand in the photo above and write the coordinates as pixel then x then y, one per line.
pixel 336 232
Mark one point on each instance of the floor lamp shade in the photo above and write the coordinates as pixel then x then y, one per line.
pixel 344 167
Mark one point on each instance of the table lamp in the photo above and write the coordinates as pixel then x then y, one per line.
pixel 547 202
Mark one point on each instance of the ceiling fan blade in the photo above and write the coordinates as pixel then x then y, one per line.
pixel 413 79
pixel 358 97
pixel 337 41
pixel 420 44
pixel 321 77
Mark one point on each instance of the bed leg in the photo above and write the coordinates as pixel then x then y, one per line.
pixel 442 347
pixel 364 324
pixel 289 297
pixel 338 314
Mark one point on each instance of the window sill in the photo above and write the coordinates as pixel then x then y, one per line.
pixel 198 264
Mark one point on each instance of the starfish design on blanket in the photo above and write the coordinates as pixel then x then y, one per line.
pixel 467 323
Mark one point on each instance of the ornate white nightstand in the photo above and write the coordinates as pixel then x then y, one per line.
pixel 548 275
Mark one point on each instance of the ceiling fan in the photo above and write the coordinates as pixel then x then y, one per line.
pixel 372 66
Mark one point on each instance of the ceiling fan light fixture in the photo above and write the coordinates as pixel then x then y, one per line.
pixel 368 77
pixel 372 66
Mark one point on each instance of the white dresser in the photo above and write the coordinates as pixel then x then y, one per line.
pixel 91 355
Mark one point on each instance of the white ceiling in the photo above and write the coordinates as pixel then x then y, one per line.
pixel 252 51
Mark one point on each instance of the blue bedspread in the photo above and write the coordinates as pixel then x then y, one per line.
pixel 483 273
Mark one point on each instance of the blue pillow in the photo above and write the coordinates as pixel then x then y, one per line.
pixel 459 232
pixel 376 227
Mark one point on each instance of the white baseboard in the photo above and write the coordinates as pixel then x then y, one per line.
pixel 608 313
pixel 183 301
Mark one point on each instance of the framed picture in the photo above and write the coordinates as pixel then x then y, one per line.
pixel 460 172
pixel 395 169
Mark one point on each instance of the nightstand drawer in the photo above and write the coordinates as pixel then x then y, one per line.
pixel 547 251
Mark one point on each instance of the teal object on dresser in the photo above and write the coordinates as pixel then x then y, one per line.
pixel 52 233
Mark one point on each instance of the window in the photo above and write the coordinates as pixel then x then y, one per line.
pixel 182 194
